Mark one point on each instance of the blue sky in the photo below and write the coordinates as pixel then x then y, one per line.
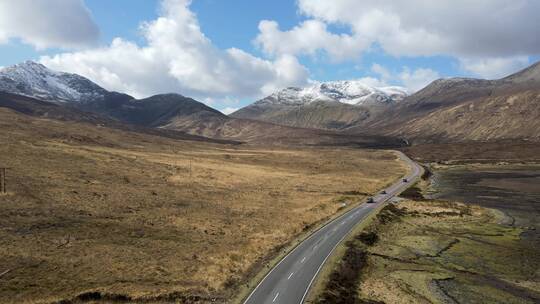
pixel 281 43
pixel 231 23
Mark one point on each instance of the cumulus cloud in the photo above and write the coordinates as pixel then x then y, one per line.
pixel 47 23
pixel 451 27
pixel 306 39
pixel 178 57
pixel 413 80
pixel 494 68
pixel 501 29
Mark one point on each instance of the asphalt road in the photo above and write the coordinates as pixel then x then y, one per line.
pixel 289 281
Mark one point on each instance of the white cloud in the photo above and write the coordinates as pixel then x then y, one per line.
pixel 229 110
pixel 417 79
pixel 307 38
pixel 494 68
pixel 381 71
pixel 413 80
pixel 450 27
pixel 47 23
pixel 459 28
pixel 374 82
pixel 178 57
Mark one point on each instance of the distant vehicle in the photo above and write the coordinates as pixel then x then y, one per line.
pixel 383 192
pixel 370 200
pixel 405 180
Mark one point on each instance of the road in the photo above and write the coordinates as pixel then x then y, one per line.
pixel 289 281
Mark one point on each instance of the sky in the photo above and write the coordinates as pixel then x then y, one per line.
pixel 229 53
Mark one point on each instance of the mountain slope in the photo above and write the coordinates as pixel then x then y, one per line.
pixel 65 112
pixel 157 111
pixel 330 105
pixel 463 109
pixel 35 80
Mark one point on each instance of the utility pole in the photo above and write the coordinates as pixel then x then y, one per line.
pixel 3 181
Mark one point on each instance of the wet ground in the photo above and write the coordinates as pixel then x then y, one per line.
pixel 513 189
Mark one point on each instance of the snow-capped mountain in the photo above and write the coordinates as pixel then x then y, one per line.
pixel 324 105
pixel 35 80
pixel 349 92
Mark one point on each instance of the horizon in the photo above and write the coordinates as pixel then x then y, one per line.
pixel 288 151
pixel 228 63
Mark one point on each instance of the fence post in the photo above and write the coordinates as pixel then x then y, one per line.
pixel 3 181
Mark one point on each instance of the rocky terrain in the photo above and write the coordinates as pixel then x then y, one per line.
pixel 35 80
pixel 330 105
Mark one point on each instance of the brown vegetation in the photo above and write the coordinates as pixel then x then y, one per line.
pixel 95 213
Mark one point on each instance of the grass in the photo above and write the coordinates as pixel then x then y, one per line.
pixel 431 252
pixel 97 213
pixel 440 251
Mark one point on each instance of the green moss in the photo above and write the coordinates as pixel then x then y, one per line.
pixel 439 252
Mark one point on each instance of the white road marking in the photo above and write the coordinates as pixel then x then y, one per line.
pixel 277 294
pixel 303 259
pixel 290 275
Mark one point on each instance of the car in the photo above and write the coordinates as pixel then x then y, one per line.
pixel 370 200
pixel 383 192
pixel 405 180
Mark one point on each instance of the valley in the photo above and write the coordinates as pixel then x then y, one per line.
pixel 467 234
pixel 98 213
pixel 163 198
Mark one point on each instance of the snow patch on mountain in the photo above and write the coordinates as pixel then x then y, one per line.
pixel 35 80
pixel 350 92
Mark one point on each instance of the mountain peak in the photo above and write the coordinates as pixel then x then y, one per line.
pixel 35 80
pixel 353 92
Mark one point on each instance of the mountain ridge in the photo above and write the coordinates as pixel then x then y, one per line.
pixel 35 80
pixel 331 105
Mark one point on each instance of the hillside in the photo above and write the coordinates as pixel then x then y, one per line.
pixel 331 105
pixel 505 116
pixel 464 109
pixel 35 80
pixel 33 89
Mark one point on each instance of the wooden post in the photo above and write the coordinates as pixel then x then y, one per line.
pixel 3 181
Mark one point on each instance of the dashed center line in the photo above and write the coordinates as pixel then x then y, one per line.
pixel 290 275
pixel 277 294
pixel 303 259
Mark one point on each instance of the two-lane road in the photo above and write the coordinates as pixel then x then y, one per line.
pixel 289 281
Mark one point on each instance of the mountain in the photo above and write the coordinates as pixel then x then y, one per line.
pixel 35 80
pixel 32 89
pixel 72 117
pixel 465 109
pixel 156 111
pixel 348 92
pixel 328 105
pixel 175 112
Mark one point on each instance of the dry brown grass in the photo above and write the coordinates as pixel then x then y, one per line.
pixel 96 209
